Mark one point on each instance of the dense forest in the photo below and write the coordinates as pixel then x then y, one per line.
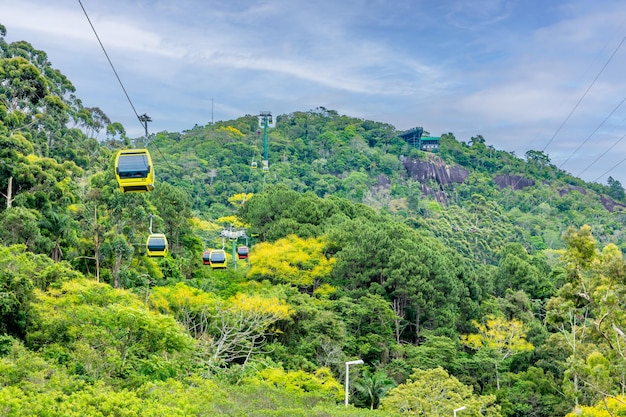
pixel 468 281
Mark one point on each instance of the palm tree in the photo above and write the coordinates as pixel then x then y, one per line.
pixel 374 386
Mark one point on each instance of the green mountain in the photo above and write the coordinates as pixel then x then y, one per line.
pixel 494 279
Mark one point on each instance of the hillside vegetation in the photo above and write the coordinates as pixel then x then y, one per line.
pixel 468 277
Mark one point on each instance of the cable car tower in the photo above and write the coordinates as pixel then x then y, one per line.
pixel 265 121
pixel 233 235
pixel 144 119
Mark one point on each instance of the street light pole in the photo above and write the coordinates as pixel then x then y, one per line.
pixel 459 409
pixel 356 362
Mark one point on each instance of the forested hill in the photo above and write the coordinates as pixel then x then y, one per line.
pixel 496 279
pixel 472 196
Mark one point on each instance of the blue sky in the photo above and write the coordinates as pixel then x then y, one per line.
pixel 510 70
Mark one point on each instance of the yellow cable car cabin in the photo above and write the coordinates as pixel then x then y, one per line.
pixel 253 164
pixel 218 259
pixel 134 170
pixel 156 246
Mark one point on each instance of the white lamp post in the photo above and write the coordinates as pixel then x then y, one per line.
pixel 459 409
pixel 356 362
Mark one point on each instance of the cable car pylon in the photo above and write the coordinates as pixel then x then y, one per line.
pixel 233 236
pixel 265 121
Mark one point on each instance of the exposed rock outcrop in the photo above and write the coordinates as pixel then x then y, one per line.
pixel 571 188
pixel 514 181
pixel 610 204
pixel 434 169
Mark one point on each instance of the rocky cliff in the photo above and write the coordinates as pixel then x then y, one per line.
pixel 434 169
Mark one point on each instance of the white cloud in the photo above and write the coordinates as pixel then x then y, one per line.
pixel 508 69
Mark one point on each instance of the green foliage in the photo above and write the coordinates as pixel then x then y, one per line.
pixel 321 382
pixel 108 333
pixel 353 255
pixel 434 392
pixel 414 272
pixel 531 392
pixel 20 273
pixel 374 386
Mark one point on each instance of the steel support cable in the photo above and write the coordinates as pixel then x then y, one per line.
pixel 599 157
pixel 585 93
pixel 110 62
pixel 120 80
pixel 593 133
pixel 611 169
pixel 576 106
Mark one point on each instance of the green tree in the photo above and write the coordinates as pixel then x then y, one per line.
pixel 517 272
pixel 434 392
pixel 19 225
pixel 374 386
pixel 501 338
pixel 616 190
pixel 108 333
pixel 174 207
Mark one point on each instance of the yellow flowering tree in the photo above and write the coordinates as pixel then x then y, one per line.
pixel 292 260
pixel 500 337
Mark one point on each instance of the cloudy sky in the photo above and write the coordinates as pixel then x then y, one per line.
pixel 545 75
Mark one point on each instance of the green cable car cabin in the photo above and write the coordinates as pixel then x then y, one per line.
pixel 218 259
pixel 156 245
pixel 134 170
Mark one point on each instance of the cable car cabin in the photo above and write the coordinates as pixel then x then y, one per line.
pixel 253 164
pixel 218 259
pixel 134 170
pixel 242 252
pixel 156 245
pixel 206 257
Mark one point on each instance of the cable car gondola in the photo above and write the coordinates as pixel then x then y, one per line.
pixel 134 170
pixel 218 259
pixel 242 252
pixel 206 257
pixel 156 245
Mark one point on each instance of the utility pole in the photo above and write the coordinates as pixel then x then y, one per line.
pixel 144 119
pixel 265 121
pixel 233 236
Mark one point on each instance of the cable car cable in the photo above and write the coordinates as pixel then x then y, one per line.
pixel 599 157
pixel 611 169
pixel 592 133
pixel 119 79
pixel 585 94
pixel 109 59
pixel 576 106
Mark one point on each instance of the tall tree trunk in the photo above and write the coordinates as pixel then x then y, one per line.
pixel 116 270
pixel 418 316
pixel 96 242
pixel 497 376
pixel 9 195
pixel 398 307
